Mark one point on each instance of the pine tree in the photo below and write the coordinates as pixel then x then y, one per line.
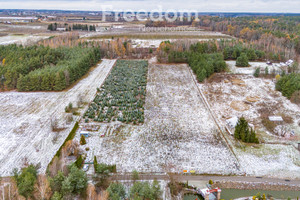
pixel 82 140
pixel 242 61
pixel 95 163
pixel 257 72
pixel 266 71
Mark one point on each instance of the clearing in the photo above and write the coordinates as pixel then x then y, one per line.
pixel 232 95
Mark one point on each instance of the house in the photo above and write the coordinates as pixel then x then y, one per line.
pixel 84 133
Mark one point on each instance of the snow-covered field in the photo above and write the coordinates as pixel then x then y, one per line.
pixel 21 39
pixel 178 133
pixel 253 66
pixel 244 95
pixel 25 130
pixel 147 43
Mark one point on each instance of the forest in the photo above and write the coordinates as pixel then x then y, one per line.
pixel 39 68
pixel 276 35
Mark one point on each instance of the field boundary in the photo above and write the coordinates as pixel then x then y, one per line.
pixel 203 98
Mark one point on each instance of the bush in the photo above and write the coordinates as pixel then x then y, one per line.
pixel 295 98
pixel 135 175
pixel 143 190
pixel 116 191
pixel 269 125
pixel 242 61
pixel 257 72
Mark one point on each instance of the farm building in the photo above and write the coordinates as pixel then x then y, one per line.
pixel 84 133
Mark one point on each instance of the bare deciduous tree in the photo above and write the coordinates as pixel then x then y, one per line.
pixel 43 190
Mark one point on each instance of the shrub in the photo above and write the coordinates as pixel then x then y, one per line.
pixel 257 72
pixel 242 61
pixel 116 191
pixel 266 71
pixel 143 190
pixel 269 125
pixel 295 98
pixel 135 175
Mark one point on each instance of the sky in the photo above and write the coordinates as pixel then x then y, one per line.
pixel 270 6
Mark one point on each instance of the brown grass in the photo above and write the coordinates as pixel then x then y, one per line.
pixel 239 106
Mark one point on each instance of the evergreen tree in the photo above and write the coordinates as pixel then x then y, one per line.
pixel 243 133
pixel 257 72
pixel 242 61
pixel 116 191
pixel 82 140
pixel 95 163
pixel 266 71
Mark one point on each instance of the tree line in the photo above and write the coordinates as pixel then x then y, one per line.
pixel 38 68
pixel 206 58
pixel 68 27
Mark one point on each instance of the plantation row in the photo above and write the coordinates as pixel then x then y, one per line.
pixel 122 95
pixel 39 68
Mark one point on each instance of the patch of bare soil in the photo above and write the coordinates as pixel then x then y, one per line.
pixel 239 106
pixel 238 82
pixel 252 99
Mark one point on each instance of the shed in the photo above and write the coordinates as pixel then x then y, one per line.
pixel 84 133
pixel 275 118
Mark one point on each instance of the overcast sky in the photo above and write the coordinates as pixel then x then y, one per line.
pixel 278 6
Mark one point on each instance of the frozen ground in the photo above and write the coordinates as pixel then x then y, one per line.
pixel 147 43
pixel 25 131
pixel 251 69
pixel 244 95
pixel 178 133
pixel 21 39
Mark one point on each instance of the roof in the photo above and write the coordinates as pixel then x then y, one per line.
pixel 84 132
pixel 275 118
